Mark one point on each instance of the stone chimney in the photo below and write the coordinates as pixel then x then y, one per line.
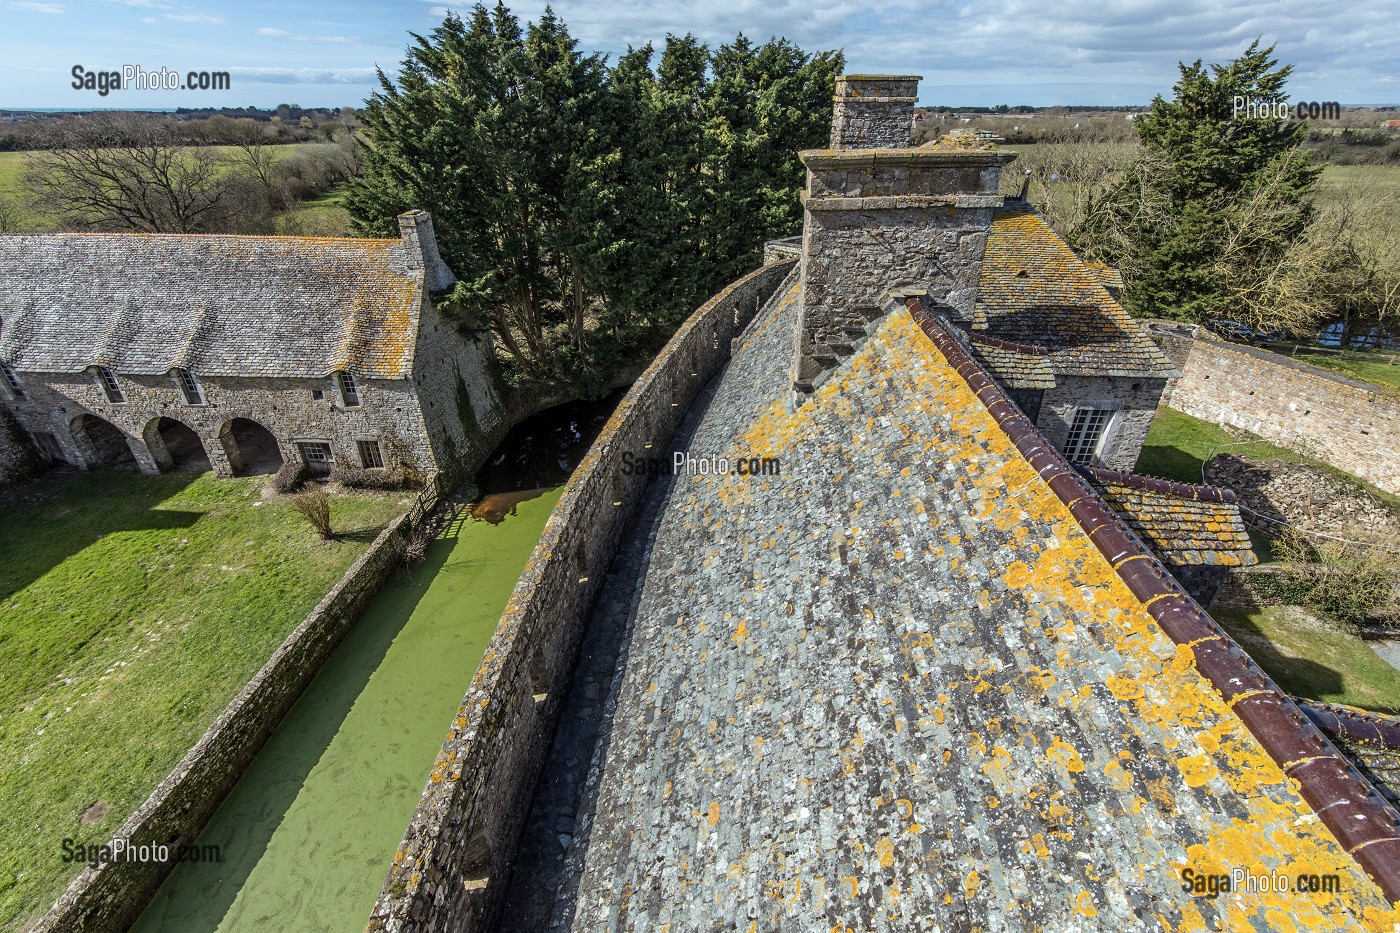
pixel 884 220
pixel 420 243
pixel 874 111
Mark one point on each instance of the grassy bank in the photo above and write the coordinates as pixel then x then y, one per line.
pixel 132 609
pixel 1314 660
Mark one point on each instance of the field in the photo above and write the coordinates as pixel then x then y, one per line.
pixel 320 216
pixel 132 609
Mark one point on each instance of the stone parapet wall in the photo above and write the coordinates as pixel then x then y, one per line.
pixel 448 872
pixel 112 896
pixel 1351 425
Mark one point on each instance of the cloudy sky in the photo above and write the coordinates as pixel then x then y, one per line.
pixel 969 51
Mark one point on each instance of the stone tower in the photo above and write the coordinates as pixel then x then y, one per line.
pixel 883 219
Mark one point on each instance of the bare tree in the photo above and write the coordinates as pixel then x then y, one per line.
pixel 124 171
pixel 1071 182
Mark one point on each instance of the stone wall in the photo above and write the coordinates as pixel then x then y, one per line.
pixel 447 874
pixel 1134 400
pixel 388 412
pixel 112 896
pixel 18 458
pixel 1352 425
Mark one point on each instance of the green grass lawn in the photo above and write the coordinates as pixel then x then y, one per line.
pixel 1177 444
pixel 132 609
pixel 1313 659
pixel 1372 368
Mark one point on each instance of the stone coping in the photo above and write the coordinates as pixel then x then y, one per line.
pixel 913 157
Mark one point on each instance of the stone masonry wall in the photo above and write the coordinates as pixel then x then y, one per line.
pixel 284 406
pixel 18 459
pixel 448 872
pixel 111 896
pixel 461 412
pixel 1136 401
pixel 1351 425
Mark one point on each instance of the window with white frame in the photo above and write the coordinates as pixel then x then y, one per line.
pixel 194 395
pixel 371 457
pixel 1086 433
pixel 316 455
pixel 349 391
pixel 108 380
pixel 12 381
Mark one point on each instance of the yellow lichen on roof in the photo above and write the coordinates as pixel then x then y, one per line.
pixel 1246 813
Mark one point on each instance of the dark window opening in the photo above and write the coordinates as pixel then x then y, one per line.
pixel 194 395
pixel 1085 434
pixel 12 381
pixel 349 391
pixel 318 395
pixel 49 447
pixel 108 380
pixel 371 457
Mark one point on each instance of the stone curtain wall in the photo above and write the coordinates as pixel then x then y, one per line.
pixel 448 873
pixel 18 459
pixel 113 895
pixel 1351 425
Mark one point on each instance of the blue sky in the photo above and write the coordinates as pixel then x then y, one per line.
pixel 969 51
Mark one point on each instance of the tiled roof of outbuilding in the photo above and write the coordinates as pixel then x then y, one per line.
pixel 1183 524
pixel 1017 366
pixel 215 305
pixel 1034 289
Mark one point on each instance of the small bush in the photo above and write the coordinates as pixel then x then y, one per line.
pixel 353 477
pixel 290 477
pixel 315 506
pixel 1347 583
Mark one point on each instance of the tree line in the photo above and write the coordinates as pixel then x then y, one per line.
pixel 588 208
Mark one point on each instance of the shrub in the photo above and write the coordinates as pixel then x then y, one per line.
pixel 315 506
pixel 353 477
pixel 1342 581
pixel 290 477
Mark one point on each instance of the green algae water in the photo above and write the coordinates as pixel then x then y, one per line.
pixel 308 834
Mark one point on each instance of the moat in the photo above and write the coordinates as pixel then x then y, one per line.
pixel 309 832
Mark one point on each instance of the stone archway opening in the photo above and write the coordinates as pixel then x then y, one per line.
pixel 100 441
pixel 176 446
pixel 251 448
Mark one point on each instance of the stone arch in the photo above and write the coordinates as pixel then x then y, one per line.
pixel 174 445
pixel 99 441
pixel 250 447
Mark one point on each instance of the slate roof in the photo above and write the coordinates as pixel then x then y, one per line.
pixel 215 305
pixel 1018 366
pixel 1034 289
pixel 900 687
pixel 1183 524
pixel 1370 740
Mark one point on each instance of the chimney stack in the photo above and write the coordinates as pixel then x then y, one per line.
pixel 874 111
pixel 420 243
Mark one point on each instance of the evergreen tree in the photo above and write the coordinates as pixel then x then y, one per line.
pixel 1177 224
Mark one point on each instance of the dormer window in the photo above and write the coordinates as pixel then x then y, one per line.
pixel 194 395
pixel 12 381
pixel 108 380
pixel 349 391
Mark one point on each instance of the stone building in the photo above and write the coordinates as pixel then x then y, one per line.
pixel 241 352
pixel 885 221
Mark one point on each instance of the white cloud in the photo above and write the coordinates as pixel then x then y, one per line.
pixel 1104 47
pixel 297 37
pixel 305 75
pixel 191 17
pixel 30 6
